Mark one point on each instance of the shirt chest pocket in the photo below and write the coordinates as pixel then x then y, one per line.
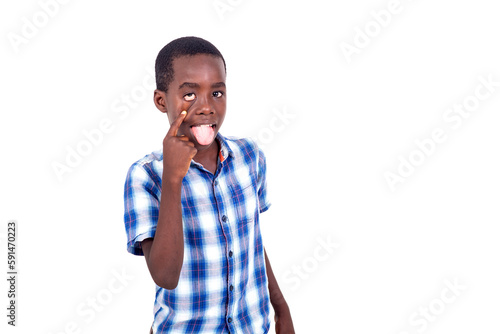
pixel 244 202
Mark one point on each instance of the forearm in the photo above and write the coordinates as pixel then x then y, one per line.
pixel 277 299
pixel 282 315
pixel 167 249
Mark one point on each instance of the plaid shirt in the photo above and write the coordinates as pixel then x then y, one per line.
pixel 223 283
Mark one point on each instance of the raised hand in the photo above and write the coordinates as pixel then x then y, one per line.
pixel 177 152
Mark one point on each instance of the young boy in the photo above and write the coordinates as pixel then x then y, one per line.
pixel 193 209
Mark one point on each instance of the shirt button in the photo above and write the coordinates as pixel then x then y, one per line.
pixel 230 253
pixel 229 319
pixel 224 218
pixel 216 183
pixel 231 288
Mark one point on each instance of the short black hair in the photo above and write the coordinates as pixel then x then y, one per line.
pixel 184 46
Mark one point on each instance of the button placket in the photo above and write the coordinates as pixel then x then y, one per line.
pixel 226 229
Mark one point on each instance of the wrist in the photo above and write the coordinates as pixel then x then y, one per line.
pixel 172 183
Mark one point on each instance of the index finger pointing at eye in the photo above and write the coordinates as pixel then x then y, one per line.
pixel 174 127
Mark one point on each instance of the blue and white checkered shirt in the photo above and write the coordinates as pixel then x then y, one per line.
pixel 223 283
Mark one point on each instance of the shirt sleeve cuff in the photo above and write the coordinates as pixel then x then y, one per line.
pixel 135 246
pixel 264 207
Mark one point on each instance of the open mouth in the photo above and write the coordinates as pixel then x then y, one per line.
pixel 203 133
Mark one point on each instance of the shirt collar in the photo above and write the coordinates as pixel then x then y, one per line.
pixel 225 150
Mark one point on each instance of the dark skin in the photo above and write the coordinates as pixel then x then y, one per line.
pixel 197 95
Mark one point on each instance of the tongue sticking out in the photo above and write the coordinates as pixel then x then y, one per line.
pixel 204 134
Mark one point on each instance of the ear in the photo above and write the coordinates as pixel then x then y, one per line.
pixel 160 100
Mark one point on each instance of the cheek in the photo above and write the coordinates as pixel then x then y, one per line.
pixel 222 110
pixel 221 117
pixel 176 108
pixel 184 130
pixel 187 105
pixel 184 105
pixel 220 105
pixel 177 104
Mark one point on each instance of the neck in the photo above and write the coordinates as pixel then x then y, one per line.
pixel 208 156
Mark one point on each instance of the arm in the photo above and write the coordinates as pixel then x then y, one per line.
pixel 282 316
pixel 165 252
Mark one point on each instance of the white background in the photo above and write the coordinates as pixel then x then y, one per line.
pixel 351 121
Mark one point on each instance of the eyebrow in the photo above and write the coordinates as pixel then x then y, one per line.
pixel 219 85
pixel 195 85
pixel 189 84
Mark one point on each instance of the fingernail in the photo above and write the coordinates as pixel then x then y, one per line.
pixel 184 112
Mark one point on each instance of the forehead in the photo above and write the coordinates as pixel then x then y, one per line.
pixel 198 68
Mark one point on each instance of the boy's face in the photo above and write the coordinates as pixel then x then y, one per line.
pixel 199 87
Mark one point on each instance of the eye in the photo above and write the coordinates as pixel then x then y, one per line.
pixel 217 94
pixel 189 97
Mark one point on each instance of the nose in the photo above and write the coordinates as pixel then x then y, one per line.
pixel 203 106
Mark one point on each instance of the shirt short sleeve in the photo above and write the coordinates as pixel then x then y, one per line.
pixel 142 204
pixel 264 203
